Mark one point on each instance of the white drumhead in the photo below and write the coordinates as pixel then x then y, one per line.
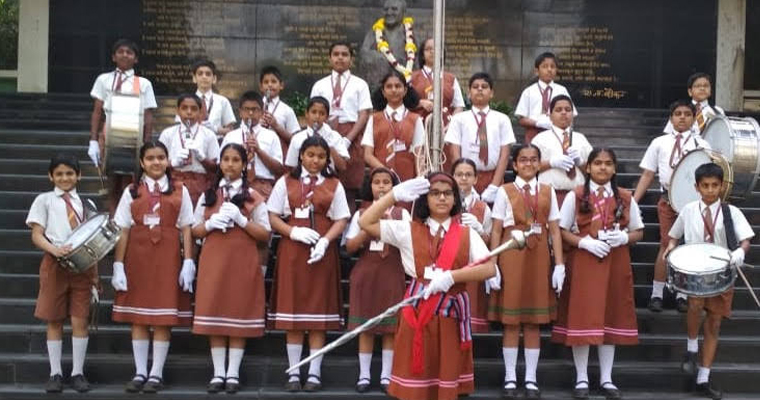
pixel 682 189
pixel 85 230
pixel 698 258
pixel 719 135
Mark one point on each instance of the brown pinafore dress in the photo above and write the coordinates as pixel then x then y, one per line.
pixel 385 139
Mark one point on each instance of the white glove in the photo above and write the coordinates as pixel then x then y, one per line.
pixel 304 235
pixel 616 238
pixel 737 257
pixel 575 154
pixel 232 212
pixel 558 277
pixel 216 221
pixel 472 221
pixel 94 152
pixel 187 275
pixel 318 251
pixel 119 278
pixel 489 194
pixel 197 147
pixel 595 247
pixel 410 190
pixel 494 282
pixel 562 162
pixel 180 157
pixel 544 122
pixel 346 142
pixel 440 283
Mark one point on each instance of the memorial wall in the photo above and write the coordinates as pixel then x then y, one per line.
pixel 611 52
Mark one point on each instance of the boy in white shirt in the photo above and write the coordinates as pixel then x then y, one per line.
pixel 216 111
pixel 699 87
pixel 316 114
pixel 278 116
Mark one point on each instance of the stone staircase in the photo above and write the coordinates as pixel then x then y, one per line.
pixel 34 127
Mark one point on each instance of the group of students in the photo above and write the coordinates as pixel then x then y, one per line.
pixel 267 176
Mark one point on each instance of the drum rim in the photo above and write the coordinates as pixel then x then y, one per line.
pixel 712 271
pixel 732 147
pixel 711 155
pixel 98 227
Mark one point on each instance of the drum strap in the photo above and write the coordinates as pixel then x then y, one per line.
pixel 728 223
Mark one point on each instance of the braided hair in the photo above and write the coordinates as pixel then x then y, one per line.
pixel 585 203
pixel 240 198
pixel 153 144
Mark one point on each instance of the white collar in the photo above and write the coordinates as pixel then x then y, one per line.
pixel 427 69
pixel 593 187
pixel 520 182
pixel 128 72
pixel 274 100
pixel 713 207
pixel 433 224
pixel 477 110
pixel 310 131
pixel 236 184
pixel 346 74
pixel 163 182
pixel 305 173
pixel 192 128
pixel 253 128
pixel 543 85
pixel 703 103
pixel 684 135
pixel 72 193
pixel 559 131
pixel 208 94
pixel 470 198
pixel 400 112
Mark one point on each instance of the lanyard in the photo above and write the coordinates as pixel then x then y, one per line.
pixel 395 125
pixel 307 191
pixel 705 221
pixel 67 200
pixel 434 251
pixel 338 97
pixel 479 123
pixel 117 81
pixel 275 106
pixel 603 206
pixel 530 201
pixel 181 137
pixel 210 105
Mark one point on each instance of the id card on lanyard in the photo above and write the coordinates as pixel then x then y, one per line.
pixel 531 205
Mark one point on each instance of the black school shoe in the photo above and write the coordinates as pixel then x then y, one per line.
pixel 153 385
pixel 216 385
pixel 655 304
pixel 362 386
pixel 54 384
pixel 682 305
pixel 310 386
pixel 532 393
pixel 611 393
pixel 136 384
pixel 232 385
pixel 580 393
pixel 293 386
pixel 80 384
pixel 707 390
pixel 509 393
pixel 689 363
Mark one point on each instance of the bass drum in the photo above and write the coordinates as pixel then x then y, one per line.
pixel 737 139
pixel 682 183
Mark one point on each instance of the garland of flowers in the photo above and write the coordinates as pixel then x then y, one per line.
pixel 409 47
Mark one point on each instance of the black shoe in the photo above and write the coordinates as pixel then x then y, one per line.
pixel 611 392
pixel 54 384
pixel 384 383
pixel 532 393
pixel 707 390
pixel 136 384
pixel 311 386
pixel 80 384
pixel 580 393
pixel 153 385
pixel 689 363
pixel 655 304
pixel 293 386
pixel 362 386
pixel 232 385
pixel 216 384
pixel 682 305
pixel 509 393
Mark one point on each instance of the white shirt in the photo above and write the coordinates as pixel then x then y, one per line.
pixel 284 115
pixel 174 139
pixel 469 200
pixel 463 131
pixel 550 144
pixel 268 142
pixel 531 102
pixel 458 99
pixel 278 201
pixel 691 226
pixel 123 214
pixel 353 228
pixel 567 212
pixel 399 234
pixel 502 207
pixel 418 138
pixel 105 83
pixel 657 156
pixel 355 98
pixel 332 138
pixel 259 214
pixel 49 211
pixel 707 111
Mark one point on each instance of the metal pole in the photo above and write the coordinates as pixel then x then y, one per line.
pixel 436 139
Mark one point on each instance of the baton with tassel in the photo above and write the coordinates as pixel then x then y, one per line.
pixel 517 241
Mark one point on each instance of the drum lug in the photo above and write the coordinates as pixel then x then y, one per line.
pixel 90 252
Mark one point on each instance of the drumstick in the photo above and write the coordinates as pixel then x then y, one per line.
pixel 728 260
pixel 746 282
pixel 103 189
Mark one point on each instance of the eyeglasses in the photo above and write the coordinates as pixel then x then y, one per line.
pixel 464 175
pixel 438 193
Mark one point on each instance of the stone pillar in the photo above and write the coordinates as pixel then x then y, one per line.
pixel 729 69
pixel 33 28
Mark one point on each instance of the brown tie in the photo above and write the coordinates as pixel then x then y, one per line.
pixel 565 146
pixel 438 241
pixel 119 81
pixel 337 92
pixel 154 200
pixel 71 213
pixel 546 96
pixel 204 108
pixel 483 138
pixel 700 117
pixel 709 228
pixel 676 150
pixel 528 197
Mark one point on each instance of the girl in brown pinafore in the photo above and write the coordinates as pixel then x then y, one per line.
pixel 229 305
pixel 152 214
pixel 306 294
pixel 377 279
pixel 527 299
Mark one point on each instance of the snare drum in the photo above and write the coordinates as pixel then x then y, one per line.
pixel 682 183
pixel 700 270
pixel 737 139
pixel 124 136
pixel 90 242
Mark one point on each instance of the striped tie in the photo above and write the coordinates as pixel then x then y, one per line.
pixel 71 213
pixel 701 121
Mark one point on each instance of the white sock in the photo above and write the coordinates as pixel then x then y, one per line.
pixel 218 355
pixel 365 360
pixel 657 287
pixel 78 351
pixel 692 345
pixel 703 375
pixel 315 366
pixel 680 295
pixel 387 365
pixel 236 357
pixel 606 359
pixel 510 363
pixel 160 350
pixel 54 356
pixel 580 357
pixel 140 352
pixel 294 356
pixel 531 363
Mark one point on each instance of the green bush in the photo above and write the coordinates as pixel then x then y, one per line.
pixel 8 34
